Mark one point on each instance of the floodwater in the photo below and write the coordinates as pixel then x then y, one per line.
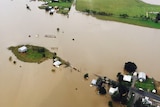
pixel 99 47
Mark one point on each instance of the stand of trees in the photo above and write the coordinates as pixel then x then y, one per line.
pixel 130 67
pixel 157 18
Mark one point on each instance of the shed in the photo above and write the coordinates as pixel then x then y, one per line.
pixel 22 49
pixel 127 78
pixel 112 90
pixel 57 64
pixel 93 82
pixel 141 76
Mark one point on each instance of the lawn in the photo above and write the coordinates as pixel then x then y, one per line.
pixel 147 85
pixel 135 10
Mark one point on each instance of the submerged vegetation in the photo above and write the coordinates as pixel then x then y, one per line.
pixel 132 11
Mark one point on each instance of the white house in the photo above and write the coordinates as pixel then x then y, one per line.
pixel 141 76
pixel 127 78
pixel 112 90
pixel 57 64
pixel 22 49
pixel 93 82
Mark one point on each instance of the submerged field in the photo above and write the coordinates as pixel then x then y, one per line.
pixel 130 11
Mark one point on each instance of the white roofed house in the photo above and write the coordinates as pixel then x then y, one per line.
pixel 22 49
pixel 127 78
pixel 141 76
pixel 112 90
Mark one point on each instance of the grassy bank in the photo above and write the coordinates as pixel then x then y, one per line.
pixel 130 11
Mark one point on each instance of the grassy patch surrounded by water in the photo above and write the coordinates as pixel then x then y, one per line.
pixel 130 11
pixel 147 85
pixel 33 54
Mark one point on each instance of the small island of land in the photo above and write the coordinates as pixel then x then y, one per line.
pixel 34 54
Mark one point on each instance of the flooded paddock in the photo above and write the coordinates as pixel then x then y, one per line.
pixel 91 45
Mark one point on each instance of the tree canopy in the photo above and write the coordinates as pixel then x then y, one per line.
pixel 130 67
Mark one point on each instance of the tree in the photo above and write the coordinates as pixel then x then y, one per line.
pixel 102 91
pixel 122 89
pixel 157 18
pixel 110 104
pixel 116 96
pixel 130 67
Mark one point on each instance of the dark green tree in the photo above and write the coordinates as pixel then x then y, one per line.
pixel 110 104
pixel 130 67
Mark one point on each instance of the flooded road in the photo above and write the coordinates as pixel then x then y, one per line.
pixel 89 44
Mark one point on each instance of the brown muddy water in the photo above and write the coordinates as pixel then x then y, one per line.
pixel 100 47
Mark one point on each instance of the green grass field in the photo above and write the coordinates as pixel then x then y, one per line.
pixel 147 85
pixel 135 9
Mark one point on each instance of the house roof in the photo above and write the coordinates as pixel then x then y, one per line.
pixel 142 75
pixel 57 63
pixel 22 49
pixel 127 78
pixel 112 90
pixel 93 82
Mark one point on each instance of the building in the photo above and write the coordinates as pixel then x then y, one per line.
pixel 22 49
pixel 141 76
pixel 57 63
pixel 112 90
pixel 127 78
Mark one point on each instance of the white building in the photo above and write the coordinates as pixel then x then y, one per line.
pixel 22 49
pixel 127 78
pixel 112 90
pixel 141 76
pixel 57 64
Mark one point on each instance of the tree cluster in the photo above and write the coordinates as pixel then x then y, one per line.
pixel 130 67
pixel 121 95
pixel 157 18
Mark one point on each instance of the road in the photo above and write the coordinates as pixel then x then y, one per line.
pixel 145 93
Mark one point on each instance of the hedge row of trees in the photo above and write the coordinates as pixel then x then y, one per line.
pixel 98 13
pixel 123 15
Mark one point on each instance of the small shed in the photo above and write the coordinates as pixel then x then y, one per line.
pixel 127 78
pixel 112 90
pixel 57 64
pixel 93 82
pixel 22 49
pixel 141 76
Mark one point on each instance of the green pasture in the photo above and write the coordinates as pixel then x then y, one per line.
pixel 136 11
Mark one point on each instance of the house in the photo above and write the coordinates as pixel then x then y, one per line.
pixel 146 100
pixel 127 78
pixel 57 63
pixel 93 82
pixel 51 11
pixel 141 76
pixel 112 90
pixel 22 49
